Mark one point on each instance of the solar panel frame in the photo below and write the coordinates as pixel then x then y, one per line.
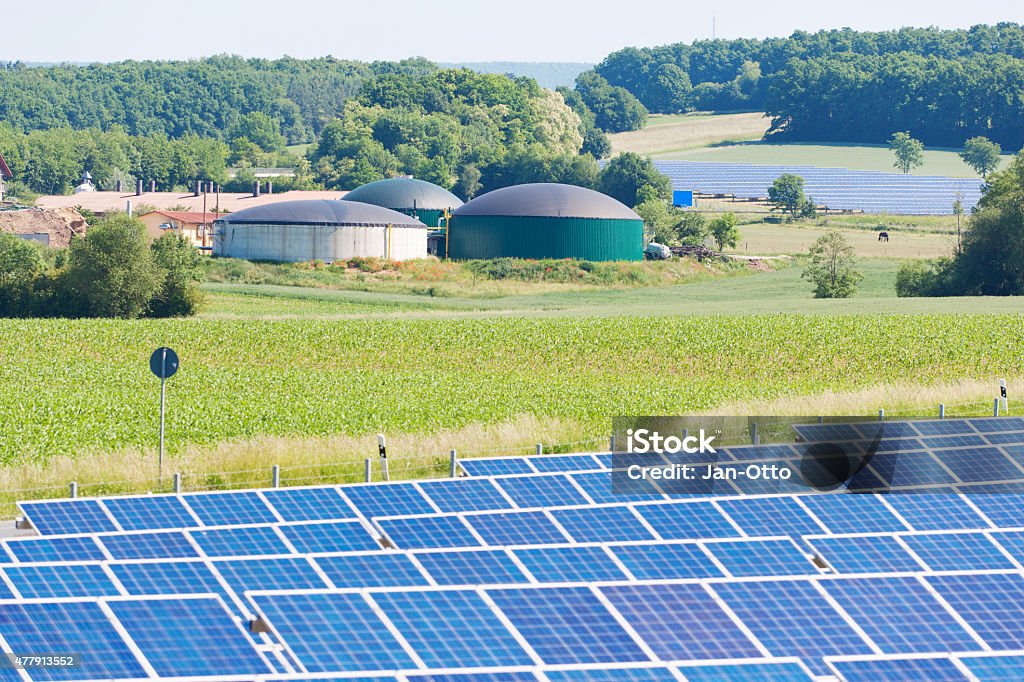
pixel 68 517
pixel 958 551
pixel 320 537
pixel 372 569
pixel 520 527
pixel 990 603
pixel 466 494
pixel 245 574
pixel 765 516
pixel 165 544
pixel 151 512
pixel 687 520
pixel 61 580
pixel 542 490
pixel 570 563
pixel 864 553
pixel 760 557
pixel 428 531
pixel 314 503
pixel 666 560
pixel 495 466
pixel 372 500
pixel 230 508
pixel 609 523
pixel 472 566
pixel 55 548
pixel 240 541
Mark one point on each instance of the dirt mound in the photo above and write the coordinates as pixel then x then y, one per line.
pixel 53 226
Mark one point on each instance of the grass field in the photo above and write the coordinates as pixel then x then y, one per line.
pixel 671 134
pixel 796 239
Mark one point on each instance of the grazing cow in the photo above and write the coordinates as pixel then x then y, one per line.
pixel 883 236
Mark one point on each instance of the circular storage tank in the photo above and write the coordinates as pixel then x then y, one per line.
pixel 327 230
pixel 418 198
pixel 546 220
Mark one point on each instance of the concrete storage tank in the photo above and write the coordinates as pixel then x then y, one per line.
pixel 420 199
pixel 327 230
pixel 546 220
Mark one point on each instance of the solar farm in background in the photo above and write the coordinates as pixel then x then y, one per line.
pixel 834 189
pixel 531 569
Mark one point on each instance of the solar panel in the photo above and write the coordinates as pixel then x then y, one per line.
pixel 1004 509
pixel 372 570
pixel 961 441
pixel 42 581
pixel 453 628
pixel 569 564
pixel 426 532
pixel 157 545
pixel 900 615
pixel 331 632
pixel 681 622
pixel 611 675
pixel 764 557
pixel 565 463
pixel 941 427
pixel 1012 541
pixel 465 494
pixel 903 669
pixel 497 466
pixel 5 591
pixel 331 536
pixel 473 567
pixel 542 491
pixel 687 520
pixel 846 513
pixel 153 512
pixel 309 504
pixel 992 604
pixel 567 625
pixel 474 677
pixel 1000 425
pixel 995 668
pixel 957 551
pixel 864 554
pixel 517 528
pixel 67 517
pixel 598 486
pixel 167 578
pixel 775 671
pixel 278 573
pixel 230 508
pixel 189 637
pixel 925 511
pixel 791 619
pixel 602 524
pixel 666 560
pixel 763 516
pixel 911 469
pixel 81 548
pixel 240 541
pixel 69 628
pixel 979 465
pixel 388 499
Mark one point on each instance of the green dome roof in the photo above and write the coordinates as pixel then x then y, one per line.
pixel 403 194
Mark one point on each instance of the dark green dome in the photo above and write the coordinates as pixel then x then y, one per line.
pixel 404 194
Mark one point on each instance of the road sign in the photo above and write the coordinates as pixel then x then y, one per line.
pixel 163 363
pixel 683 199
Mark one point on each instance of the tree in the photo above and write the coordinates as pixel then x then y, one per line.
pixel 832 267
pixel 615 108
pixel 982 155
pixel 724 231
pixel 909 152
pixel 20 263
pixel 787 194
pixel 469 182
pixel 627 174
pixel 181 270
pixel 111 270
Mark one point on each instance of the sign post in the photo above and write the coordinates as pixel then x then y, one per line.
pixel 163 363
pixel 382 450
pixel 1002 396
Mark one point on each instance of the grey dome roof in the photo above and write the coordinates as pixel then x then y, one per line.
pixel 320 212
pixel 404 194
pixel 547 200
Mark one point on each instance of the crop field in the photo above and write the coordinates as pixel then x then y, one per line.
pixel 668 134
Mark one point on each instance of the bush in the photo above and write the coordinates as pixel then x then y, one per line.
pixel 20 264
pixel 179 262
pixel 922 278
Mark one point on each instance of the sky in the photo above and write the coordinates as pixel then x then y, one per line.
pixel 441 30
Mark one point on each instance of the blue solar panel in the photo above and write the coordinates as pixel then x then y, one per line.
pixel 957 551
pixel 150 513
pixel 165 545
pixel 791 619
pixel 666 560
pixel 865 554
pixel 499 466
pixel 681 622
pixel 1012 541
pixel 900 615
pixel 542 491
pixel 961 441
pixel 1000 425
pixel 569 564
pixel 781 671
pixel 309 504
pixel 465 494
pixel 333 632
pixel 762 557
pixel 189 637
pixel 474 677
pixel 454 628
pixel 924 511
pixel 995 668
pixel 68 628
pixel 850 513
pixel 167 577
pixel 55 549
pixel 992 604
pixel 372 570
pixel 389 499
pixel 241 541
pixel 333 536
pixel 60 580
pixel 427 532
pixel 565 463
pixel 911 469
pixel 598 486
pixel 902 669
pixel 771 516
pixel 475 567
pixel 602 524
pixel 816 433
pixel 517 528
pixel 567 625
pixel 5 593
pixel 943 427
pixel 1004 509
pixel 230 508
pixel 980 465
pixel 612 675
pixel 753 453
pixel 687 520
pixel 279 573
pixel 67 517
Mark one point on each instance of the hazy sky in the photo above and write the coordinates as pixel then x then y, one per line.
pixel 442 30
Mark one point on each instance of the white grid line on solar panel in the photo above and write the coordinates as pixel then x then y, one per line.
pixel 904 667
pixel 50 580
pixel 965 662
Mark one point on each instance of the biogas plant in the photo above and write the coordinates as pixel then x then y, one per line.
pixel 406 218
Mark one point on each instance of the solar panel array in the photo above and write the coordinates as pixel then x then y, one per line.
pixel 531 568
pixel 834 188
